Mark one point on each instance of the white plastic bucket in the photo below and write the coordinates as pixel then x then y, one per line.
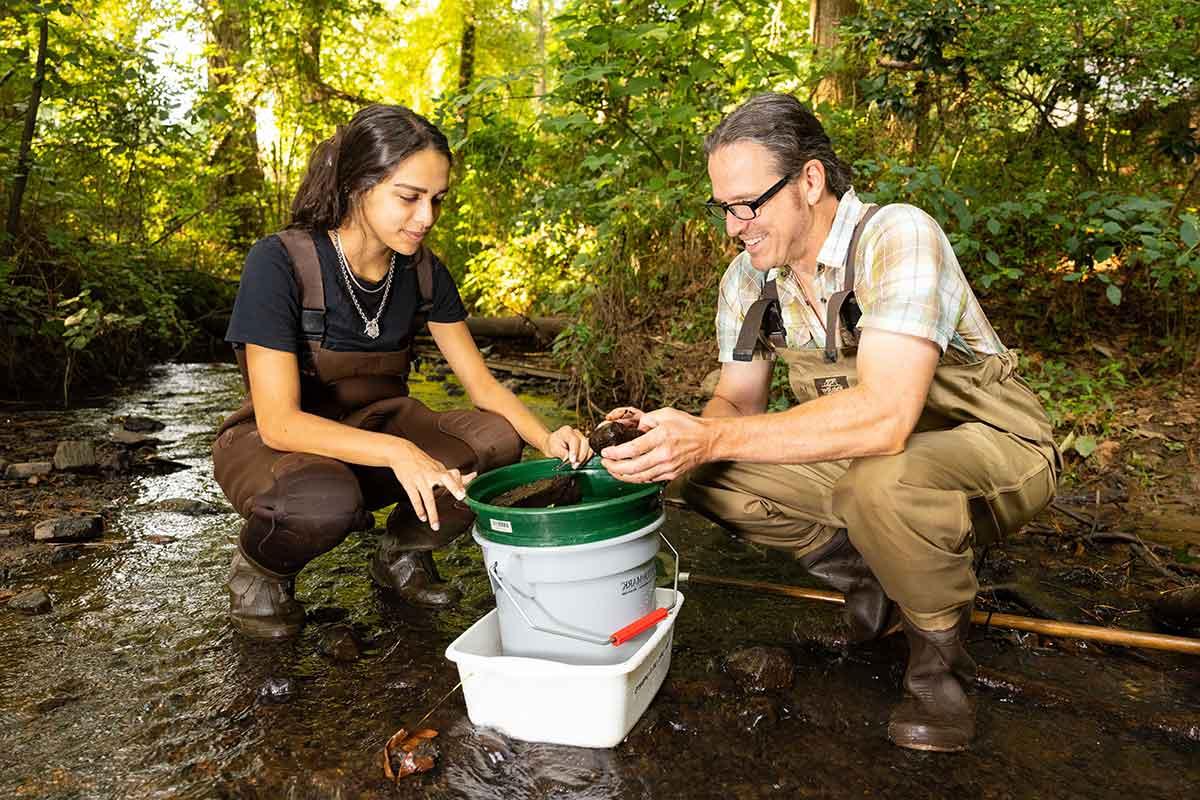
pixel 547 701
pixel 566 603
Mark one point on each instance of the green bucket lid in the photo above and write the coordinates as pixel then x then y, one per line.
pixel 610 508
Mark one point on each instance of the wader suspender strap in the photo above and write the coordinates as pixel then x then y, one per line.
pixel 307 268
pixel 423 263
pixel 763 325
pixel 843 303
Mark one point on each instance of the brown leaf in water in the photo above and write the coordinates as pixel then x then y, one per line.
pixel 407 754
pixel 158 538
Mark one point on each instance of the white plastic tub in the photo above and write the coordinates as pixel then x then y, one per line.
pixel 539 700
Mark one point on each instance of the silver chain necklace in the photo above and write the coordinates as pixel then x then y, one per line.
pixel 370 326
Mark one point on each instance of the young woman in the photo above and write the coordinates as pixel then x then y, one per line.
pixel 323 326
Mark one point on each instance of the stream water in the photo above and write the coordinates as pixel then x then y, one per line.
pixel 135 686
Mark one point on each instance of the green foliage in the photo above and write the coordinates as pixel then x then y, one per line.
pixel 1056 144
pixel 1077 401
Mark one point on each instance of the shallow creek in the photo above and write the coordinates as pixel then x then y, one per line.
pixel 135 686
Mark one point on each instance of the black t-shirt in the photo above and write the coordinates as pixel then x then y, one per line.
pixel 267 309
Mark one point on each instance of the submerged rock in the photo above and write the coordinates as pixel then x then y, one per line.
pixel 29 469
pixel 133 439
pixel 562 490
pixel 116 462
pixel 142 424
pixel 340 643
pixel 761 669
pixel 184 505
pixel 32 601
pixel 68 529
pixel 277 690
pixel 1178 611
pixel 75 456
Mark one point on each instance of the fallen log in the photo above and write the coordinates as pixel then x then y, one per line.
pixel 543 328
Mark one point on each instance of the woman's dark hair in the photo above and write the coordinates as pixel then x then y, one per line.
pixel 356 158
pixel 781 123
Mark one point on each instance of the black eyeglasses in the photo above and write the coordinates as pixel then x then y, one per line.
pixel 745 211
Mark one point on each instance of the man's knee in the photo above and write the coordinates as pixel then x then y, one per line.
pixel 699 488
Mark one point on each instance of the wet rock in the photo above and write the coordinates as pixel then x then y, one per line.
pixel 68 529
pixel 31 601
pixel 51 703
pixel 116 462
pixel 695 690
pixel 132 439
pixel 137 424
pixel 183 505
pixel 7 532
pixel 756 714
pixel 277 690
pixel 162 466
pixel 761 669
pixel 340 643
pixel 613 432
pixel 28 469
pixel 75 456
pixel 62 555
pixel 1178 611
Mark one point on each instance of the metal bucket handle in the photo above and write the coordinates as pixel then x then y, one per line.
pixel 615 639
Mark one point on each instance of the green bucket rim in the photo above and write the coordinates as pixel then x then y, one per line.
pixel 583 523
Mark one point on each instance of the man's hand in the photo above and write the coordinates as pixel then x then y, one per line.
pixel 674 443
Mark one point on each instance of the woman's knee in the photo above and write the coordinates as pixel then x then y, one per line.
pixel 313 504
pixel 490 437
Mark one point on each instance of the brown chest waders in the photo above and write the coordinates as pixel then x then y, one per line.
pixel 299 505
pixel 980 463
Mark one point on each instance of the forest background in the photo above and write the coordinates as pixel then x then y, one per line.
pixel 145 144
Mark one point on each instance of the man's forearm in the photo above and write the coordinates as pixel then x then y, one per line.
pixel 849 424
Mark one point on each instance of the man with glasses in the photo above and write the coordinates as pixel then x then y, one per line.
pixel 913 442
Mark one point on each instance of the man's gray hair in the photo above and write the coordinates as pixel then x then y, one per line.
pixel 782 124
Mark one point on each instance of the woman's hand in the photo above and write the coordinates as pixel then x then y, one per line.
pixel 568 444
pixel 419 475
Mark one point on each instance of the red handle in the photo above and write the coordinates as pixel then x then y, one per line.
pixel 637 626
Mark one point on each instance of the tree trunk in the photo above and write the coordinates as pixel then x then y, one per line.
pixel 838 86
pixel 540 13
pixel 466 62
pixel 240 175
pixel 24 153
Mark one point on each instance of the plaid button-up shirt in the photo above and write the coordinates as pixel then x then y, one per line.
pixel 907 281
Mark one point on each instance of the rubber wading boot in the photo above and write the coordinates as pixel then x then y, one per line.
pixel 869 611
pixel 936 713
pixel 261 604
pixel 411 574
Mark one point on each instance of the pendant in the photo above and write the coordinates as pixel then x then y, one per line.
pixel 372 329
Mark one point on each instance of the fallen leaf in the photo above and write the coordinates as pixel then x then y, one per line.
pixel 158 538
pixel 1106 451
pixel 406 754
